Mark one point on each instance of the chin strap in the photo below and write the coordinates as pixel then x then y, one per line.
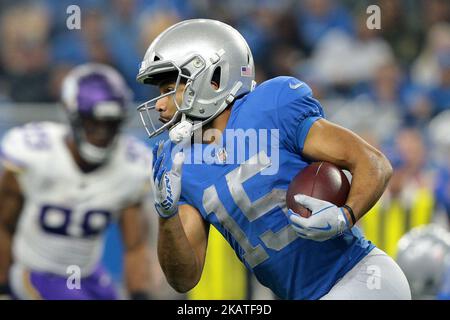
pixel 92 153
pixel 182 130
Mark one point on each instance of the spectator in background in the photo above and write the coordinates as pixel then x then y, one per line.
pixel 24 52
pixel 58 11
pixel 439 132
pixel 393 95
pixel 316 18
pixel 287 51
pixel 86 44
pixel 440 94
pixel 343 61
pixel 73 47
pixel 270 30
pixel 377 105
pixel 260 32
pixel 387 86
pixel 409 201
pixel 419 109
pixel 425 69
pixel 284 60
pixel 436 11
pixel 442 190
pixel 399 30
pixel 122 38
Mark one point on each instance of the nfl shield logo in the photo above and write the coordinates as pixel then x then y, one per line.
pixel 222 155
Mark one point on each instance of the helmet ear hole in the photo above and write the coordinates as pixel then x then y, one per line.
pixel 215 80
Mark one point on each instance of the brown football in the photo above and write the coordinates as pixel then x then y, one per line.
pixel 321 180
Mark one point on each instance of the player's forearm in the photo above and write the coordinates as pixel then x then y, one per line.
pixel 137 269
pixel 371 173
pixel 176 256
pixel 11 203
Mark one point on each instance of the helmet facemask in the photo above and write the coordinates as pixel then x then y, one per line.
pixel 190 73
pixel 147 110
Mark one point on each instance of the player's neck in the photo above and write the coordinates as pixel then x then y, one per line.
pixel 219 123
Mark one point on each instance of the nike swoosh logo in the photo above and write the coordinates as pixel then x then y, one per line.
pixel 294 86
pixel 328 227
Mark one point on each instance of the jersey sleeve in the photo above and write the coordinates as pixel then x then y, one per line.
pixel 182 200
pixel 15 153
pixel 296 112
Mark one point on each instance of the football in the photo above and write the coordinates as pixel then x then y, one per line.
pixel 321 180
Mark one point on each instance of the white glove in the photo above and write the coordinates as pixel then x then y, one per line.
pixel 167 183
pixel 326 220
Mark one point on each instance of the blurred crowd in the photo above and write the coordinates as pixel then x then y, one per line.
pixel 391 85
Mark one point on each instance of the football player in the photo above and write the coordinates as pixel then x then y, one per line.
pixel 237 182
pixel 60 188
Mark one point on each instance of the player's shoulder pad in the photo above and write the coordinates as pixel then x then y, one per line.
pixel 23 145
pixel 271 95
pixel 283 89
pixel 276 92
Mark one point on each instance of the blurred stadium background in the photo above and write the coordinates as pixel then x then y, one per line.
pixel 392 85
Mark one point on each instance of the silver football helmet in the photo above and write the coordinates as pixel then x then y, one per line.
pixel 424 256
pixel 196 51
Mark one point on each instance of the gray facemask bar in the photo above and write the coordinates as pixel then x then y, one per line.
pixel 146 107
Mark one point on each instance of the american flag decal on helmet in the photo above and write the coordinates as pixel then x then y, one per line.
pixel 246 71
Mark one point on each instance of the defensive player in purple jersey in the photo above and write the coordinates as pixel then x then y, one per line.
pixel 60 188
pixel 234 174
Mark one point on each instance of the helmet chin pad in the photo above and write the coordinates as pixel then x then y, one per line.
pixel 181 131
pixel 93 154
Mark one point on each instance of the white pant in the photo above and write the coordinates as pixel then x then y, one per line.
pixel 376 277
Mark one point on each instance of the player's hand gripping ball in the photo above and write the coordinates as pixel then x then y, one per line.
pixel 314 198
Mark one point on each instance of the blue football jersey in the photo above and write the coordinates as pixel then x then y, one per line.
pixel 239 185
